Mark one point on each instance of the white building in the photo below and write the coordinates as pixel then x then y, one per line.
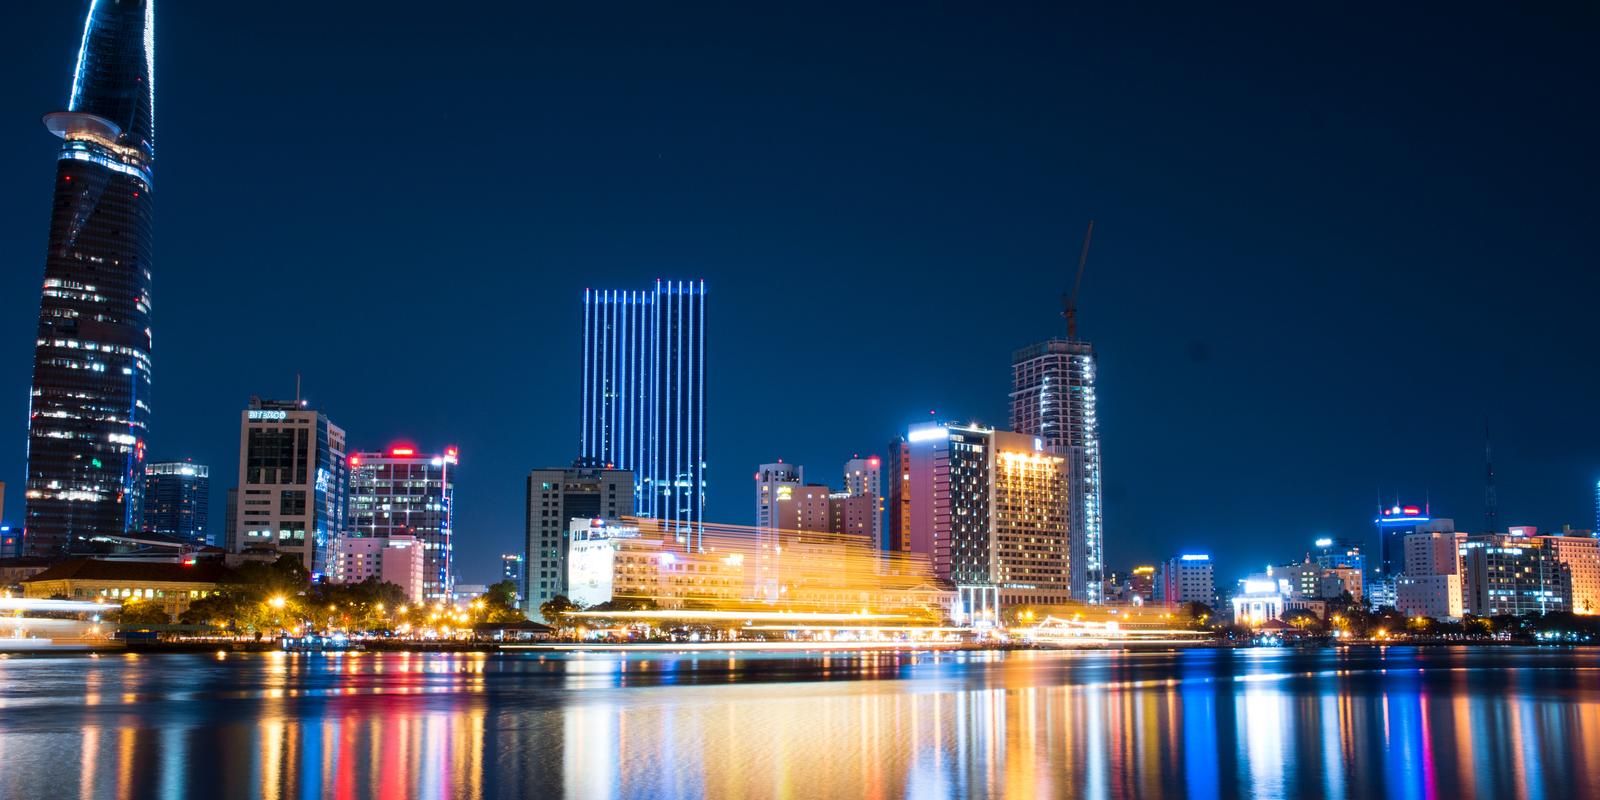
pixel 1435 596
pixel 1262 597
pixel 772 482
pixel 1187 579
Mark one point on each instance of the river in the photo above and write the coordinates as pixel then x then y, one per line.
pixel 1397 722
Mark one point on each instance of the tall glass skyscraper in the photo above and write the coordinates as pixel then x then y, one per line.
pixel 644 397
pixel 89 409
pixel 1053 398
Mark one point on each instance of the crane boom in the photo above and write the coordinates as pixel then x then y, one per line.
pixel 1070 302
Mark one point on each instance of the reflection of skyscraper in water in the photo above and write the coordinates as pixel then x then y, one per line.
pixel 644 397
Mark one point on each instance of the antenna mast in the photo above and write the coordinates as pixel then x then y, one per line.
pixel 1491 504
pixel 1069 302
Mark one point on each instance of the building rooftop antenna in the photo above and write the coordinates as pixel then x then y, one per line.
pixel 1491 503
pixel 1069 302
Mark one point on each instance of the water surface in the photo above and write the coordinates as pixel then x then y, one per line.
pixel 1397 722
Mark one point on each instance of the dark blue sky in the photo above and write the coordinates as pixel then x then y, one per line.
pixel 1331 240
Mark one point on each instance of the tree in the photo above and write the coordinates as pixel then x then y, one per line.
pixel 555 608
pixel 1198 615
pixel 221 610
pixel 499 603
pixel 143 612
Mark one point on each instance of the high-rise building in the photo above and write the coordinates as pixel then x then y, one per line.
pixel 898 536
pixel 404 492
pixel 1394 524
pixel 1053 398
pixel 991 508
pixel 556 497
pixel 802 508
pixel 89 409
pixel 177 500
pixel 864 477
pixel 294 482
pixel 511 568
pixel 1579 557
pixel 644 397
pixel 1512 574
pixel 773 480
pixel 1187 578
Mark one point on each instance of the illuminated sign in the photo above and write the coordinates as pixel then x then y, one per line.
pixel 1195 557
pixel 268 415
pixel 932 434
pixel 1324 542
pixel 402 451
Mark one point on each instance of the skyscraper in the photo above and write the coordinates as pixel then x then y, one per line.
pixel 556 497
pixel 89 409
pixel 1053 398
pixel 644 397
pixel 177 500
pixel 294 484
pixel 401 492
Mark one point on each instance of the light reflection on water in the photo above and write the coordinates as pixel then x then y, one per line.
pixel 1413 724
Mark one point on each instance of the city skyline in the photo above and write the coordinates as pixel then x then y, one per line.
pixel 1393 403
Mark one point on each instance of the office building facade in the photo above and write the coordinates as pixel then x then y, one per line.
pixel 89 406
pixel 177 500
pixel 404 492
pixel 644 407
pixel 294 482
pixel 556 497
pixel 898 536
pixel 1510 574
pixel 863 477
pixel 991 509
pixel 1188 578
pixel 1053 398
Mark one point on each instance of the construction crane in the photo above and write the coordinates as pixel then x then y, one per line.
pixel 1069 302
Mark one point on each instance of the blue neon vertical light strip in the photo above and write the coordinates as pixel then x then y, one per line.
pixel 83 55
pixel 654 489
pixel 583 445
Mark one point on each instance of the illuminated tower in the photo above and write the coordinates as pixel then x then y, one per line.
pixel 644 397
pixel 89 407
pixel 1053 398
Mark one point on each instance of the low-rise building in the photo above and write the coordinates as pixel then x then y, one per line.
pixel 173 586
pixel 1261 598
pixel 400 560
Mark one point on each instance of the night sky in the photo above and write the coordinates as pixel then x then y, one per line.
pixel 1331 241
